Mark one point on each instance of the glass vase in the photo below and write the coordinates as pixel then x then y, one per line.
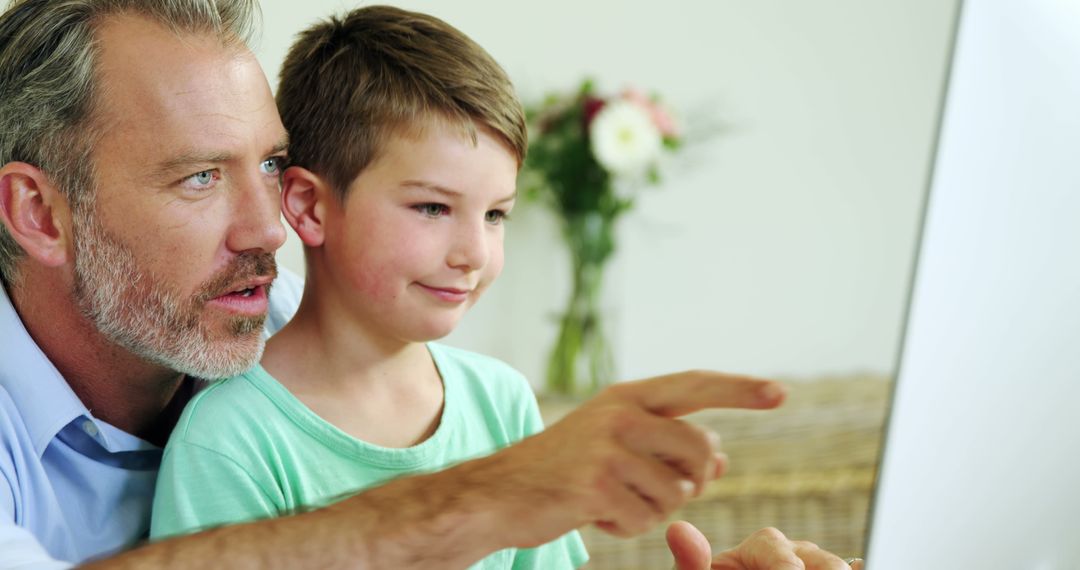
pixel 581 361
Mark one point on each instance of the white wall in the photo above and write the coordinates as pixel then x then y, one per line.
pixel 783 247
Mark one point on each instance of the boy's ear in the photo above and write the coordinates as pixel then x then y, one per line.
pixel 35 214
pixel 304 197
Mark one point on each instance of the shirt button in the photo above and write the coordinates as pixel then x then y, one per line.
pixel 90 428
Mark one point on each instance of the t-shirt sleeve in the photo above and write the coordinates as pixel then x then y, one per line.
pixel 567 551
pixel 199 488
pixel 531 421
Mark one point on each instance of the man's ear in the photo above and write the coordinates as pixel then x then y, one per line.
pixel 304 197
pixel 35 213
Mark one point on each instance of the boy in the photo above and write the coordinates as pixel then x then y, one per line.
pixel 408 138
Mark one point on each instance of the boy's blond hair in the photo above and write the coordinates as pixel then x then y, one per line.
pixel 350 82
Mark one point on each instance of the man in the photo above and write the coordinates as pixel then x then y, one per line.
pixel 139 153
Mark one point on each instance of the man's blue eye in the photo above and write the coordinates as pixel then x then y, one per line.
pixel 203 178
pixel 271 165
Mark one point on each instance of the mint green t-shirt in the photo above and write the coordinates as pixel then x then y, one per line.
pixel 245 448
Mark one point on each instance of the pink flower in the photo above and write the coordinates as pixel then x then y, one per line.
pixel 636 96
pixel 661 117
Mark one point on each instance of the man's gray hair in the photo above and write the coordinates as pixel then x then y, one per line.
pixel 47 85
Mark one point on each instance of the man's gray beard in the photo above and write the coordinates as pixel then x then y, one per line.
pixel 140 313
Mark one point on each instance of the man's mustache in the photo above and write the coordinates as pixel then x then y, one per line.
pixel 245 267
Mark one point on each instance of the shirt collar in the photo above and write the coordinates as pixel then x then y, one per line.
pixel 42 396
pixel 46 401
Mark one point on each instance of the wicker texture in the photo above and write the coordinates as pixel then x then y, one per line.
pixel 807 468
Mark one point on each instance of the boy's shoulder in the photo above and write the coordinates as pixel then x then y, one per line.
pixel 469 359
pixel 479 370
pixel 231 406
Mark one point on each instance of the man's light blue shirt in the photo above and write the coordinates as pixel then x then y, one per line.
pixel 73 487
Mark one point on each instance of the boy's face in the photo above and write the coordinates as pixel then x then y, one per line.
pixel 420 235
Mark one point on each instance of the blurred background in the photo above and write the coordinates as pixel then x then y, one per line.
pixel 781 247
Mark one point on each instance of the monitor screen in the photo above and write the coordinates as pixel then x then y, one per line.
pixel 981 462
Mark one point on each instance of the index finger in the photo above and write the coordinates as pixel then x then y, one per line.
pixel 679 394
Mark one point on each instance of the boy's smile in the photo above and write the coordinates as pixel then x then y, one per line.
pixel 420 234
pixel 450 295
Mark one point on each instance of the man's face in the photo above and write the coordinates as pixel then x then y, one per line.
pixel 174 258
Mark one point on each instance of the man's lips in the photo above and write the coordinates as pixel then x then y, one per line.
pixel 248 297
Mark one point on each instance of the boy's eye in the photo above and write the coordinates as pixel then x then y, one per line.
pixel 495 216
pixel 432 210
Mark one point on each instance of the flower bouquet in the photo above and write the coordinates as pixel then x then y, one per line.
pixel 588 155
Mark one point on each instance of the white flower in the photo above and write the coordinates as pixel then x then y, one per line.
pixel 624 139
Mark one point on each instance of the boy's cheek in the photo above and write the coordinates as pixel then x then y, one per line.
pixel 495 266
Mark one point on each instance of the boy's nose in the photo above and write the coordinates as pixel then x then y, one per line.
pixel 469 250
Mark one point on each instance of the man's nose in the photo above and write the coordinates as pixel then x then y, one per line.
pixel 256 210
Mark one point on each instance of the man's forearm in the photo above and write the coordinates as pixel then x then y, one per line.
pixel 620 460
pixel 440 520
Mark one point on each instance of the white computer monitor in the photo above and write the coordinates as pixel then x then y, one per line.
pixel 981 460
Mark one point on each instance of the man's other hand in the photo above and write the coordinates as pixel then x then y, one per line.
pixel 766 549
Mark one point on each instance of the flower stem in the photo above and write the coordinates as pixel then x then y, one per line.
pixel 581 360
